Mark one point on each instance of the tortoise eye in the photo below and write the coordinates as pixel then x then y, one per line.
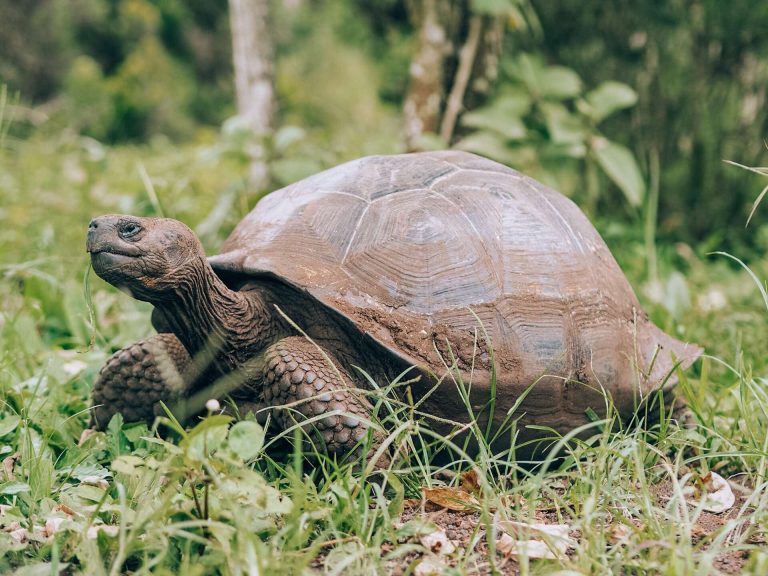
pixel 129 230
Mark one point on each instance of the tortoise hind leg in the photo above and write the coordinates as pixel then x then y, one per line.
pixel 299 383
pixel 137 378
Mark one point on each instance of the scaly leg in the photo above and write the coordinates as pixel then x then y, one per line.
pixel 300 383
pixel 137 378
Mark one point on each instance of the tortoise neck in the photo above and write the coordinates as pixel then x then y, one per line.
pixel 220 327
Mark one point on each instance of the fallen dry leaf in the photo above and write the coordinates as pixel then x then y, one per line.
pixel 20 535
pixel 716 497
pixel 52 525
pixel 412 503
pixel 429 566
pixel 39 534
pixel 8 465
pixel 438 543
pixel 559 531
pixel 619 533
pixel 512 501
pixel 530 548
pixel 87 433
pixel 97 481
pixel 720 496
pixel 65 509
pixel 470 481
pixel 698 531
pixel 451 498
pixel 535 540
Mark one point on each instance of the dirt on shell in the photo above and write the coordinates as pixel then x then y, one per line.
pixel 432 345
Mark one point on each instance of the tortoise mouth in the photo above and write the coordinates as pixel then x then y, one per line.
pixel 93 250
pixel 98 248
pixel 105 260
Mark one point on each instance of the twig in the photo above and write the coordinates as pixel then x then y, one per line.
pixel 336 541
pixel 205 500
pixel 466 62
pixel 195 499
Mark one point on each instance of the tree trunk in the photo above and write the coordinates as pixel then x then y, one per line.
pixel 424 100
pixel 454 63
pixel 253 55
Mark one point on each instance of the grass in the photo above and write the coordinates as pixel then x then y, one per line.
pixel 205 500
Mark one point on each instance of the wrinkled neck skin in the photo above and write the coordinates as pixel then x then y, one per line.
pixel 220 328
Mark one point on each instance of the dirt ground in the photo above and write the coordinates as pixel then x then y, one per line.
pixel 466 531
pixel 464 528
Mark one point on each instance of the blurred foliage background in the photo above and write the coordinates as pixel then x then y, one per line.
pixel 628 107
pixel 130 106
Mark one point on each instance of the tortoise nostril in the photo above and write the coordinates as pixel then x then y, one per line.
pixel 93 225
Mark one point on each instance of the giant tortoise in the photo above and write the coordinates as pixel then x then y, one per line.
pixel 495 290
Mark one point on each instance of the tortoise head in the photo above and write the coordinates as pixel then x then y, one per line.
pixel 149 257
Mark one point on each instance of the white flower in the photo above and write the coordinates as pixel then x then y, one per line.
pixel 213 405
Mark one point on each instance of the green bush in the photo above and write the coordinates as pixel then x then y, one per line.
pixel 151 95
pixel 545 123
pixel 88 101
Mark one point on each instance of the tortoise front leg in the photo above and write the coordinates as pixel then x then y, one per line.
pixel 299 383
pixel 137 378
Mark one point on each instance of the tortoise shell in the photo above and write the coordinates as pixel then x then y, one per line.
pixel 446 257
